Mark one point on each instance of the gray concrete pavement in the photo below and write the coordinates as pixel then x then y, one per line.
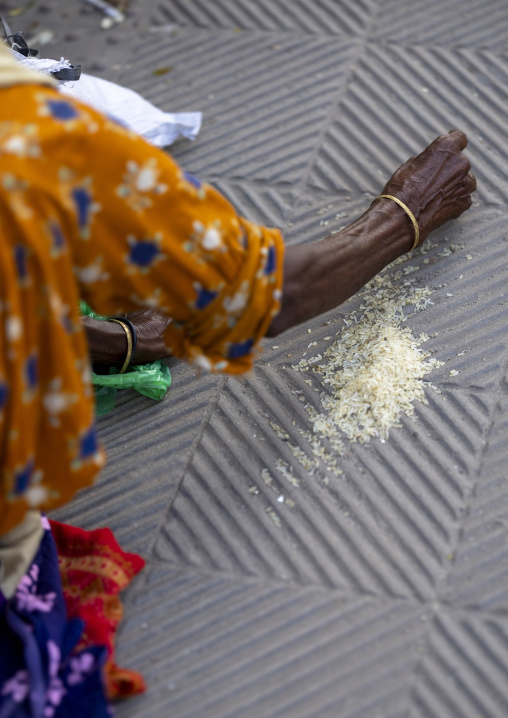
pixel 381 592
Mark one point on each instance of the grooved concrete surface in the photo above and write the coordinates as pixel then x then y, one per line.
pixel 381 592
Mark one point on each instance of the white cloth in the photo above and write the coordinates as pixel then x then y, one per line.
pixel 124 105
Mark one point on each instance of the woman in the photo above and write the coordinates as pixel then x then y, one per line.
pixel 89 210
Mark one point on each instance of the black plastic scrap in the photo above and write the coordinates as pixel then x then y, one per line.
pixel 20 45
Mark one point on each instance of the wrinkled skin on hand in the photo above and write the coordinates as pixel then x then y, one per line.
pixel 437 184
pixel 150 326
pixel 318 276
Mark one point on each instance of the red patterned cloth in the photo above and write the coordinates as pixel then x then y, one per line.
pixel 94 570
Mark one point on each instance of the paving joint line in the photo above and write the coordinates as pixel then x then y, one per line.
pixel 347 593
pixel 334 105
pixel 470 494
pixel 223 380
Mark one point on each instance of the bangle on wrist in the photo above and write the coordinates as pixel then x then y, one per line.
pixel 130 333
pixel 409 214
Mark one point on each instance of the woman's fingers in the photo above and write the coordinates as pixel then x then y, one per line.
pixel 471 179
pixel 459 138
pixel 436 183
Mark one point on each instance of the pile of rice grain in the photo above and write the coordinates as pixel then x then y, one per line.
pixel 374 370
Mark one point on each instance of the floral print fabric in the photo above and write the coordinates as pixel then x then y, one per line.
pixel 42 673
pixel 89 210
pixel 94 570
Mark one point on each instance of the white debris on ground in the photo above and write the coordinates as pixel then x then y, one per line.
pixel 368 376
pixel 329 459
pixel 285 470
pixel 373 372
pixel 310 465
pixel 273 515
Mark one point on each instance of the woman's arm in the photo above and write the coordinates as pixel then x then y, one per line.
pixel 107 342
pixel 436 186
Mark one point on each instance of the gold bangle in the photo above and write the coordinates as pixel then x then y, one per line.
pixel 130 346
pixel 409 214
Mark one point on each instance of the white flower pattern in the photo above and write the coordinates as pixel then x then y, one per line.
pixel 155 236
pixel 26 597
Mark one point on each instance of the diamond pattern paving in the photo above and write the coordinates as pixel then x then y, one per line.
pixel 478 576
pixel 268 650
pixel 385 525
pixel 148 449
pixel 278 587
pixel 463 672
pixel 323 18
pixel 476 23
pixel 396 103
pixel 264 96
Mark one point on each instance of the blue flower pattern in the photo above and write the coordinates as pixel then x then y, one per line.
pixel 20 260
pixel 88 238
pixel 204 297
pixel 62 110
pixel 194 181
pixel 270 260
pixel 57 236
pixel 32 372
pixel 83 201
pixel 240 349
pixel 143 253
pixel 88 444
pixel 22 478
pixel 4 394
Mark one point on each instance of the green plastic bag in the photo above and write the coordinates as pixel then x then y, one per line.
pixel 152 379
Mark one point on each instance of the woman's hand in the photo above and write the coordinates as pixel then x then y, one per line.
pixel 108 344
pixel 149 326
pixel 437 184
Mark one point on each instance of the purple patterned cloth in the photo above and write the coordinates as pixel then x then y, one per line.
pixel 40 674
